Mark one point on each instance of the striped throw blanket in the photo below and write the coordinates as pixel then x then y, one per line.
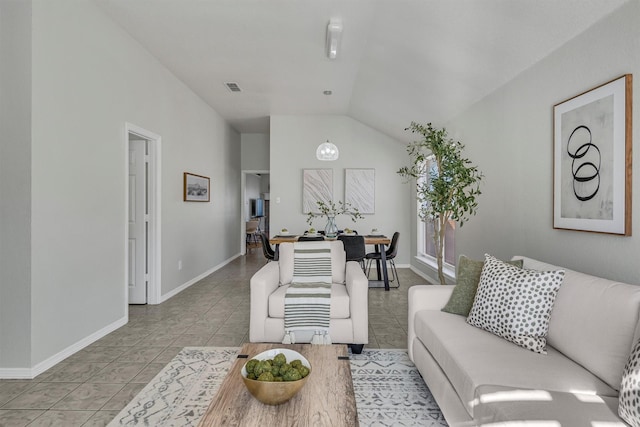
pixel 308 298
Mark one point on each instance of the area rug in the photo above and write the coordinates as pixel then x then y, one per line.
pixel 388 388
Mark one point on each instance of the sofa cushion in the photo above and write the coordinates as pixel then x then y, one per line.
pixel 497 405
pixel 594 321
pixel 339 302
pixel 515 304
pixel 471 357
pixel 338 262
pixel 629 408
pixel 467 279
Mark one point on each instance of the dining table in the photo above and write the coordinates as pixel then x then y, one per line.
pixel 378 241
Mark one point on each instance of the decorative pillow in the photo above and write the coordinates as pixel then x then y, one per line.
pixel 629 401
pixel 514 303
pixel 467 279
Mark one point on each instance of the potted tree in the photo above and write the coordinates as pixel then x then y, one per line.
pixel 447 186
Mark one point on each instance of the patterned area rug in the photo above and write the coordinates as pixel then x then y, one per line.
pixel 388 388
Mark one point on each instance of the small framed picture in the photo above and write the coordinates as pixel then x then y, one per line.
pixel 592 160
pixel 196 188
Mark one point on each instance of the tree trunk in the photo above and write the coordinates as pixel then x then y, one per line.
pixel 438 240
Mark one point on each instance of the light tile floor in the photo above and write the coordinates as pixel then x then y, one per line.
pixel 90 387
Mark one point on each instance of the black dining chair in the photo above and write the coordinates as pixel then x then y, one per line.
pixel 267 250
pixel 354 247
pixel 310 238
pixel 390 254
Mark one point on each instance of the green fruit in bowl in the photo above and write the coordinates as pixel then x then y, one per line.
pixel 312 230
pixel 284 230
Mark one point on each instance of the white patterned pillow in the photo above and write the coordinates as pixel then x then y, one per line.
pixel 514 303
pixel 629 402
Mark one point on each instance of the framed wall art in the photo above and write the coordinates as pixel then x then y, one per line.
pixel 592 160
pixel 317 185
pixel 196 188
pixel 360 189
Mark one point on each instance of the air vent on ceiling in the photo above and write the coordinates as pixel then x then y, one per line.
pixel 233 87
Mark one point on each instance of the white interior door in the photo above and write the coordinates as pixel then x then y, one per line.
pixel 138 222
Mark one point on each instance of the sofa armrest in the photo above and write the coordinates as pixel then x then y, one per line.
pixel 358 289
pixel 424 297
pixel 263 283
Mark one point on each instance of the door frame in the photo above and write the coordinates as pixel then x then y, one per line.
pixel 153 196
pixel 243 225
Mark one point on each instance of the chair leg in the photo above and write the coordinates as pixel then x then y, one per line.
pixel 356 348
pixel 369 261
pixel 395 272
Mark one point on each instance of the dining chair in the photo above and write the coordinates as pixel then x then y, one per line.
pixel 390 254
pixel 354 247
pixel 310 238
pixel 251 230
pixel 267 250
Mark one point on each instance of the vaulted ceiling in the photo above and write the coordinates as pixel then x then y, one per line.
pixel 399 60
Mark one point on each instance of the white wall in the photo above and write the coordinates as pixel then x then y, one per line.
pixel 509 136
pixel 294 140
pixel 89 78
pixel 255 151
pixel 15 183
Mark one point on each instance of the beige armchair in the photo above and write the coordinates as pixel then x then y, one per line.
pixel 349 311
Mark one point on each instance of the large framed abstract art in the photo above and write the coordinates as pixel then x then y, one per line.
pixel 317 186
pixel 360 189
pixel 592 160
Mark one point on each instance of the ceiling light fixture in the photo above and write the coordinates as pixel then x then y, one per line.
pixel 334 30
pixel 327 151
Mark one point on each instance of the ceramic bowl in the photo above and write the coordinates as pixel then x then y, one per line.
pixel 275 393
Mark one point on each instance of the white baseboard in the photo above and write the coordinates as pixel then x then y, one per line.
pixel 30 373
pixel 184 286
pixel 419 273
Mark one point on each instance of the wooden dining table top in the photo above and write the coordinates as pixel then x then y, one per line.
pixel 368 239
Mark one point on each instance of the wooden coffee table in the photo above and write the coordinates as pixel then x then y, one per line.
pixel 327 399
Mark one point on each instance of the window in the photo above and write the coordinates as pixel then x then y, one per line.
pixel 426 246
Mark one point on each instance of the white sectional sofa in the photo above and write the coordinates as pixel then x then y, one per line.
pixel 478 378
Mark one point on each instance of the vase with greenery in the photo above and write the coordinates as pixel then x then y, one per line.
pixel 447 186
pixel 331 211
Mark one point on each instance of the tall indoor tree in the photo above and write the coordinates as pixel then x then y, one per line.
pixel 451 187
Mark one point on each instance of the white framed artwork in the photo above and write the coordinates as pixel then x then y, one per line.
pixel 317 186
pixel 360 189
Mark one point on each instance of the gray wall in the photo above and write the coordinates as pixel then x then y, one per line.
pixel 509 135
pixel 255 151
pixel 294 140
pixel 15 183
pixel 83 90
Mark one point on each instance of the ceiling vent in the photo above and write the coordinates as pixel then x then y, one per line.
pixel 233 87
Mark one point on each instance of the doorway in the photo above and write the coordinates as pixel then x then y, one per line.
pixel 255 185
pixel 143 216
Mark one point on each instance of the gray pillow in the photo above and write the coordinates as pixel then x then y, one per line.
pixel 467 279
